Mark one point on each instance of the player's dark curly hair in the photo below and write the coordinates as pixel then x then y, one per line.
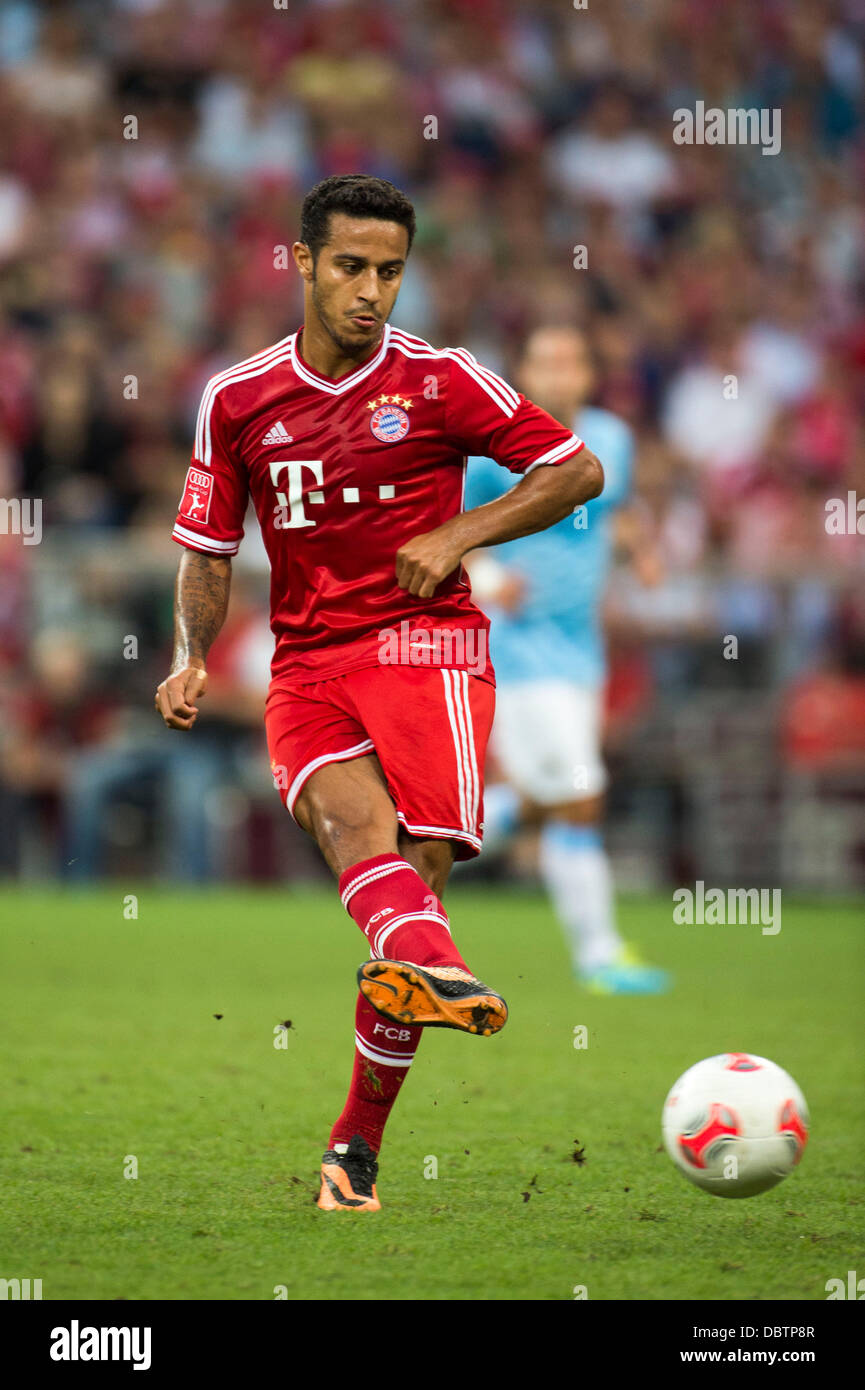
pixel 358 195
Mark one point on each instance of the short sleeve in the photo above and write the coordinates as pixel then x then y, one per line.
pixel 216 492
pixel 484 415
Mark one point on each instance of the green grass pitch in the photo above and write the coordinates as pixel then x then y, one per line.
pixel 153 1039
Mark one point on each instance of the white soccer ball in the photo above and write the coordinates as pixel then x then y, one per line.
pixel 735 1124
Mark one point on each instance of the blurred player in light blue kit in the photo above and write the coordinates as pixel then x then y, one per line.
pixel 543 594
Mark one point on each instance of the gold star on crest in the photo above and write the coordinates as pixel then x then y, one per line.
pixel 389 400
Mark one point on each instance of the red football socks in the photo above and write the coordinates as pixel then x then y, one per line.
pixel 382 1057
pixel 402 919
pixel 399 914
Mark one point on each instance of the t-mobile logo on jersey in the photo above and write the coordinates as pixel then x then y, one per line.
pixel 289 514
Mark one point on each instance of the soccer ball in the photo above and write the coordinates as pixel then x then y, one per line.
pixel 735 1124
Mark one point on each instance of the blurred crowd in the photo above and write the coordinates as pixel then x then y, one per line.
pixel 153 158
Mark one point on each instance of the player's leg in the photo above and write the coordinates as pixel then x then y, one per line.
pixel 576 872
pixel 384 1052
pixel 333 785
pixel 573 860
pixel 325 765
pixel 578 876
pixel 346 807
pixel 417 975
pixel 338 793
pixel 547 741
pixel 388 882
pixel 430 728
pixel 433 859
pixel 348 810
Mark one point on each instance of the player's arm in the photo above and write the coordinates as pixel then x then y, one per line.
pixel 209 526
pixel 200 605
pixel 546 495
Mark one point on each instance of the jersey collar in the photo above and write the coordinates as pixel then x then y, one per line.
pixel 344 383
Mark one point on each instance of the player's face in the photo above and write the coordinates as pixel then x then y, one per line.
pixel 556 372
pixel 356 279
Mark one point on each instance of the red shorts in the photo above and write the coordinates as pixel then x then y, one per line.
pixel 428 726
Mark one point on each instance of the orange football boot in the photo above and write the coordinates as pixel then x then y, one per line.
pixel 432 996
pixel 348 1179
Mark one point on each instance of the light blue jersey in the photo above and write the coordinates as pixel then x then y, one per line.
pixel 557 631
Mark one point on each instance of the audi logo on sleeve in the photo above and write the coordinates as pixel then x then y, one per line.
pixel 195 505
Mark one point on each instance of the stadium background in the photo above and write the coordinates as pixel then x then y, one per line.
pixel 151 261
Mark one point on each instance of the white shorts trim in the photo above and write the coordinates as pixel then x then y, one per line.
pixel 305 773
pixel 440 832
pixel 457 700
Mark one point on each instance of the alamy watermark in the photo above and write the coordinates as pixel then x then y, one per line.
pixel 21 516
pixel 853 1287
pixel 437 646
pixel 845 516
pixel 730 907
pixel 77 1343
pixel 20 1289
pixel 736 126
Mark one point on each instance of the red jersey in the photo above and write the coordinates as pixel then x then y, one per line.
pixel 341 474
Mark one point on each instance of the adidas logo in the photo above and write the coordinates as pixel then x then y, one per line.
pixel 277 435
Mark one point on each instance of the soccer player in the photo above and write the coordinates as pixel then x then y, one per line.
pixel 351 438
pixel 544 595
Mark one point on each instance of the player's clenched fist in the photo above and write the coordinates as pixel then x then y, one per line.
pixel 176 696
pixel 423 562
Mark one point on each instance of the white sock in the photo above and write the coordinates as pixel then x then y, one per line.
pixel 576 874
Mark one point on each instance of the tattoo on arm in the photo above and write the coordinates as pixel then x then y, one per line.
pixel 200 605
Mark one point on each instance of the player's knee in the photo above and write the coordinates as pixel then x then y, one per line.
pixel 347 827
pixel 335 825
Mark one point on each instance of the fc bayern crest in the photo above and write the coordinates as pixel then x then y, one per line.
pixel 389 423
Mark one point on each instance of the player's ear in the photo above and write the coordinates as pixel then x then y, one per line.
pixel 303 259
